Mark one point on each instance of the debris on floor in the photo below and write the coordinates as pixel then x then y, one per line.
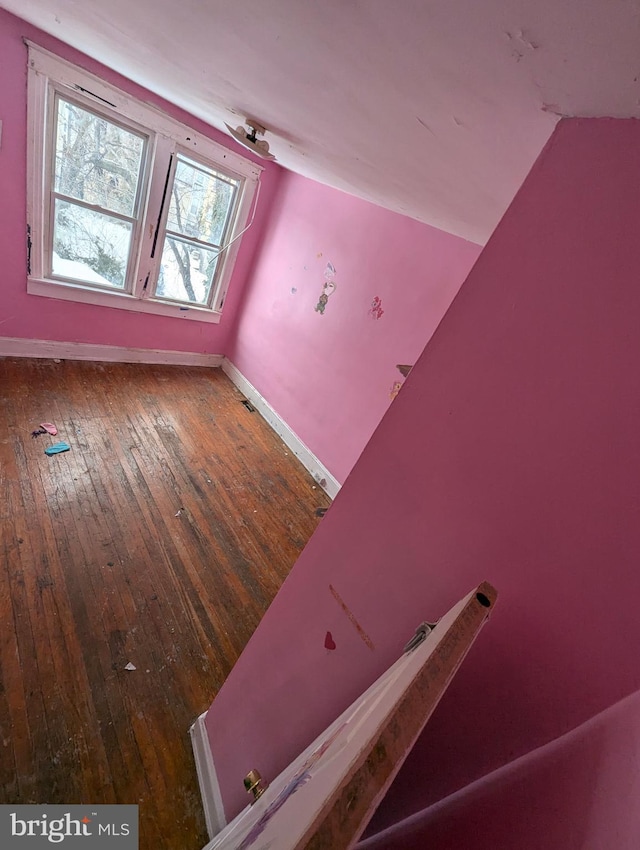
pixel 248 405
pixel 321 511
pixel 45 428
pixel 56 448
pixel 130 666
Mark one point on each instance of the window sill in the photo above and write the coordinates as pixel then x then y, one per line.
pixel 119 300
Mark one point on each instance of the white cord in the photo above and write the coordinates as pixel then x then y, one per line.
pixel 253 215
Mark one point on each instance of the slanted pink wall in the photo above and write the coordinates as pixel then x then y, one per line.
pixel 580 792
pixel 511 454
pixel 34 317
pixel 330 374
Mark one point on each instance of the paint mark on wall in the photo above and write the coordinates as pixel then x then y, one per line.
pixel 395 389
pixel 350 616
pixel 293 290
pixel 329 642
pixel 524 37
pixel 376 311
pixel 299 778
pixel 404 369
pixel 425 125
pixel 328 289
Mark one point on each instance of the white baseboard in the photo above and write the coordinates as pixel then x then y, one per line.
pixel 214 815
pixel 306 457
pixel 18 347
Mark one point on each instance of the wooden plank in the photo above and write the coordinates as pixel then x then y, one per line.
pixel 350 807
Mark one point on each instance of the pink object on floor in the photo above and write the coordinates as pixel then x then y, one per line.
pixel 50 428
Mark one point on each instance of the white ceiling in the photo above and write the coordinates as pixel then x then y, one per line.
pixel 433 108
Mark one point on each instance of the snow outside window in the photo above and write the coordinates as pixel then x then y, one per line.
pixel 127 207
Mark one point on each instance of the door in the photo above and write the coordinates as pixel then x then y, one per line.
pixel 326 797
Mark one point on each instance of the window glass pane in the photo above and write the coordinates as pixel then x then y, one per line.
pixel 96 161
pixel 90 246
pixel 201 202
pixel 186 271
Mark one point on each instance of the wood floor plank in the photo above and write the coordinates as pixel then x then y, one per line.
pixel 159 540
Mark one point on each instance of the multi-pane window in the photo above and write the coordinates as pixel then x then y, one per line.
pixel 200 207
pixel 95 196
pixel 128 207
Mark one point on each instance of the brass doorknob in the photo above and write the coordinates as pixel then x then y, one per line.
pixel 254 784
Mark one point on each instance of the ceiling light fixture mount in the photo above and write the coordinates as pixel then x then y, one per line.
pixel 249 138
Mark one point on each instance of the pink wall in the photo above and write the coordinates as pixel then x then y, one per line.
pixel 329 375
pixel 31 316
pixel 579 792
pixel 512 455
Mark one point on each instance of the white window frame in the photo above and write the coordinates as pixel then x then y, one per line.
pixel 167 137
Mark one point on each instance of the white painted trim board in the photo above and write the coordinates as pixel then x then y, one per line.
pixel 19 347
pixel 23 347
pixel 306 457
pixel 214 815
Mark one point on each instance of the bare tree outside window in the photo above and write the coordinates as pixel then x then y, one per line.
pixel 200 209
pixel 97 171
pixel 128 207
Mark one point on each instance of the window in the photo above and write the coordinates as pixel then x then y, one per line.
pixel 127 207
pixel 95 196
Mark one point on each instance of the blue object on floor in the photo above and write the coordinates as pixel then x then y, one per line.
pixel 56 448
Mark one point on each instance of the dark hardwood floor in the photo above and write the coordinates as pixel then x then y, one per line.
pixel 159 540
